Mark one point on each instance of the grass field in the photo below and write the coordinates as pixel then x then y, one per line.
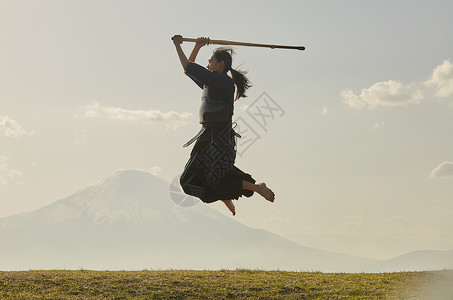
pixel 223 284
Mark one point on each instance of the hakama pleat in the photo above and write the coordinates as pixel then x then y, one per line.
pixel 210 173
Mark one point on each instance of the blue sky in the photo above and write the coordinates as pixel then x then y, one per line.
pixel 361 160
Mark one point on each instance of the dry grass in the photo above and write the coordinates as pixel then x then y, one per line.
pixel 224 284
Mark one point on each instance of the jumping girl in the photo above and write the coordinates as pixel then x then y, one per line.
pixel 210 173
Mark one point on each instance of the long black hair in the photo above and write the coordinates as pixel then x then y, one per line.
pixel 240 80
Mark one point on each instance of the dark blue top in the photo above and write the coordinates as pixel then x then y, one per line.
pixel 218 88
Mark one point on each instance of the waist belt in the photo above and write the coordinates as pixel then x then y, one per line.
pixel 195 137
pixel 203 129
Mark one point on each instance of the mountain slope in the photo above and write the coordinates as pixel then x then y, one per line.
pixel 128 221
pixel 415 261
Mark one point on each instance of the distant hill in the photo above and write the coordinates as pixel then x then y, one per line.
pixel 128 221
pixel 424 260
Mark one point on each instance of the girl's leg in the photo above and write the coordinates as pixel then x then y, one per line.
pixel 260 188
pixel 230 205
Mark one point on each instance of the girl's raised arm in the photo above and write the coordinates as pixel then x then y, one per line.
pixel 177 40
pixel 201 41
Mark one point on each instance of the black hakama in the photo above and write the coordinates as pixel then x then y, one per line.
pixel 210 173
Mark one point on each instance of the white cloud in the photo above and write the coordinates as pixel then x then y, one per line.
pixel 6 173
pixel 394 93
pixel 91 113
pixel 245 107
pixel 351 99
pixel 11 128
pixel 80 139
pixel 389 93
pixel 3 168
pixel 155 170
pixel 378 125
pixel 445 169
pixel 170 119
pixel 442 79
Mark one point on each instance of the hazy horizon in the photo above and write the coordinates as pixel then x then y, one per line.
pixel 359 151
pixel 133 220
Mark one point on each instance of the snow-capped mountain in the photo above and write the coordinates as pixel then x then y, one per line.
pixel 129 221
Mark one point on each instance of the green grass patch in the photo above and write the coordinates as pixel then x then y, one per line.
pixel 223 284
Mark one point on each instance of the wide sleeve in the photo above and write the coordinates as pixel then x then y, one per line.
pixel 199 83
pixel 200 74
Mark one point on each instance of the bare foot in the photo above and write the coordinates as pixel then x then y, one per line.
pixel 264 191
pixel 230 205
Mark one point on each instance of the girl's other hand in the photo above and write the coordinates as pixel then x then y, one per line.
pixel 202 41
pixel 177 39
